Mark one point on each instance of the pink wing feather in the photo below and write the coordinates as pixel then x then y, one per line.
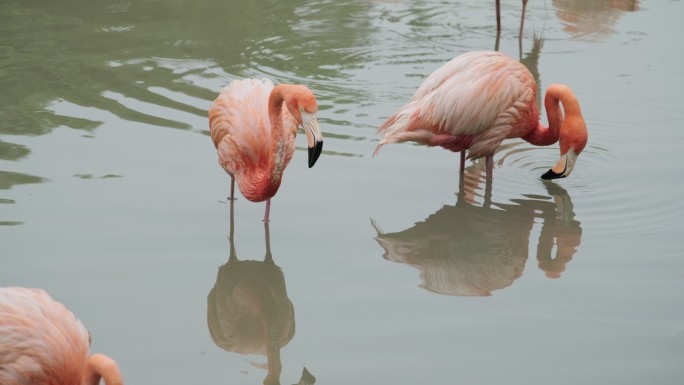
pixel 481 97
pixel 241 130
pixel 41 341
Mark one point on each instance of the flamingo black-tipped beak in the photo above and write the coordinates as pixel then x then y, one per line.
pixel 563 167
pixel 314 137
pixel 315 152
pixel 552 175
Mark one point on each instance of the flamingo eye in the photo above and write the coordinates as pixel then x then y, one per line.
pixel 301 109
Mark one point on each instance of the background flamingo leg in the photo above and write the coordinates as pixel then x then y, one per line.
pixel 498 17
pixel 522 19
pixel 489 160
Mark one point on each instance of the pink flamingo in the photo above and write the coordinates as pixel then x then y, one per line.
pixel 253 125
pixel 477 100
pixel 42 342
pixel 498 18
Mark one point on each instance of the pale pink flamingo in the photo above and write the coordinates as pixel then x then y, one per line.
pixel 253 125
pixel 477 100
pixel 43 343
pixel 498 18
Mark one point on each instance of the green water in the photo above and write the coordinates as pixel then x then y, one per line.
pixel 112 200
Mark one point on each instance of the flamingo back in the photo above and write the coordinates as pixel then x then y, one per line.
pixel 241 130
pixel 41 341
pixel 476 100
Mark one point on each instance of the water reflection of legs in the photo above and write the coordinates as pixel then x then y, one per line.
pixel 248 311
pixel 470 181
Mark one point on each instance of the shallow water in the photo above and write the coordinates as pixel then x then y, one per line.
pixel 397 272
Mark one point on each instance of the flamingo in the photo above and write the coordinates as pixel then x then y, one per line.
pixel 477 100
pixel 253 125
pixel 43 343
pixel 498 18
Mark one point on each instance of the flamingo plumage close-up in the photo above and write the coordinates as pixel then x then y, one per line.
pixel 43 343
pixel 477 100
pixel 253 126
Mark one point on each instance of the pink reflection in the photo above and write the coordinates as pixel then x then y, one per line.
pixel 592 19
pixel 472 250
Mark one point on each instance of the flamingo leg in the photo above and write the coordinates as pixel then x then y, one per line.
pixel 231 235
pixel 487 202
pixel 267 236
pixel 498 17
pixel 522 19
pixel 232 189
pixel 268 209
pixel 489 160
pixel 462 162
pixel 498 39
pixel 232 220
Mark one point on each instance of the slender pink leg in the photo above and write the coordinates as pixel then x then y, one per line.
pixel 462 161
pixel 268 209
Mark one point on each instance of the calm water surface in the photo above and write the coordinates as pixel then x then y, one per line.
pixel 385 270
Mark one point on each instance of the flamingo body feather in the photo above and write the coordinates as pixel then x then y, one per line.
pixel 43 343
pixel 477 100
pixel 253 125
pixel 242 133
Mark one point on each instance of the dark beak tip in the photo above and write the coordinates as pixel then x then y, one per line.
pixel 314 153
pixel 552 175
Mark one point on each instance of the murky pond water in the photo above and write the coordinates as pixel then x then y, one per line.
pixel 383 270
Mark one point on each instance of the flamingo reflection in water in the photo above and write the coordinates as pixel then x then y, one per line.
pixel 593 19
pixel 474 250
pixel 248 310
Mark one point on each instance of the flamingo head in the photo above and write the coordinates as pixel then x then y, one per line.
pixel 573 139
pixel 303 107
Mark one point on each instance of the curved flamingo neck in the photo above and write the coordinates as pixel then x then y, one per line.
pixel 556 95
pixel 275 107
pixel 279 95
